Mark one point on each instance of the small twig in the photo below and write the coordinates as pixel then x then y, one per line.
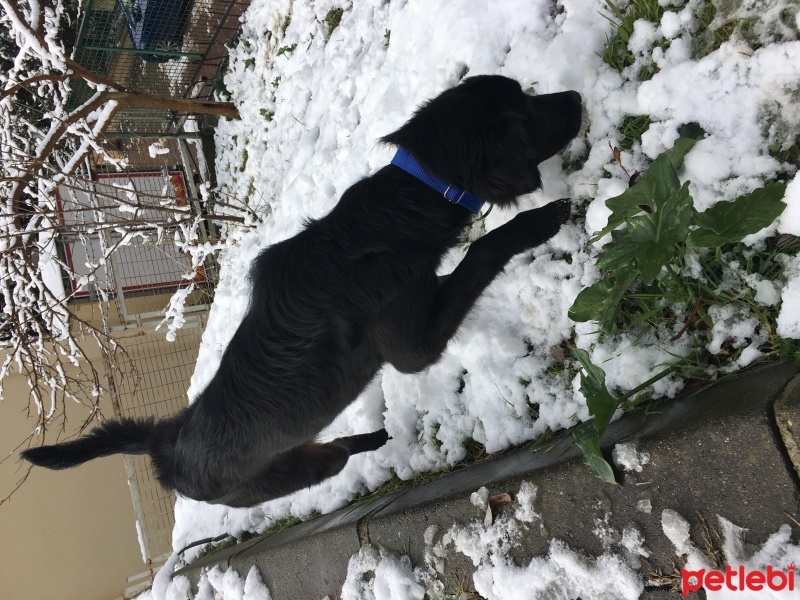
pixel 618 157
pixel 795 521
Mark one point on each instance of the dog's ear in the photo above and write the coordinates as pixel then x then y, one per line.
pixel 508 160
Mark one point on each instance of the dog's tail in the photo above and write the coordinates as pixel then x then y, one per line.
pixel 127 436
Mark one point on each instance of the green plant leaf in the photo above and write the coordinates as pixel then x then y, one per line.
pixel 618 253
pixel 730 222
pixel 692 131
pixel 655 186
pixel 656 234
pixel 599 302
pixel 602 405
pixel 588 440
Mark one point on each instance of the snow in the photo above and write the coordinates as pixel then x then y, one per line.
pixel 393 578
pixel 789 317
pixel 331 97
pixel 628 458
pixel 156 149
pixel 214 584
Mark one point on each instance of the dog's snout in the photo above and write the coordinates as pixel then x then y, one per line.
pixel 574 97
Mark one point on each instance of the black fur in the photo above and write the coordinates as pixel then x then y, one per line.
pixel 354 290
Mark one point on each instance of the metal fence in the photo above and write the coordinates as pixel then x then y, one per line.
pixel 149 376
pixel 153 383
pixel 141 268
pixel 174 48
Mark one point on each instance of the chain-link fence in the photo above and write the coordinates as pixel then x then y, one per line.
pixel 121 279
pixel 173 48
pixel 152 382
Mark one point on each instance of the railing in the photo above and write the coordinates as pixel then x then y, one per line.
pixel 174 48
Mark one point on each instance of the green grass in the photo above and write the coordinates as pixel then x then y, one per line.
pixel 616 53
pixel 704 39
pixel 333 18
pixel 787 153
pixel 251 189
pixel 277 526
pixel 632 129
pixel 475 452
pixel 707 40
pixel 437 443
pixel 286 49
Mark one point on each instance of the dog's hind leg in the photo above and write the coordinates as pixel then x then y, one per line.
pixel 301 467
pixel 364 442
pixel 415 329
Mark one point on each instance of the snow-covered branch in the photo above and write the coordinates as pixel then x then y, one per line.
pixel 44 141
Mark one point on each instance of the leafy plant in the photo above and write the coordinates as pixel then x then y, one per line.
pixel 602 406
pixel 653 226
pixel 660 224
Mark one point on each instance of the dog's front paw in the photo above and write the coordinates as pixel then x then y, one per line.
pixel 548 219
pixel 561 210
pixel 379 438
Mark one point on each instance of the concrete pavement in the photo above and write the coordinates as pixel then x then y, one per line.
pixel 732 449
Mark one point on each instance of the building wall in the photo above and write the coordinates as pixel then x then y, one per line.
pixel 66 535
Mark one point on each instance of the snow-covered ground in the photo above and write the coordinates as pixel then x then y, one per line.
pixel 313 106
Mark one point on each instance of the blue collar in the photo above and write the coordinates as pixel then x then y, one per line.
pixel 409 164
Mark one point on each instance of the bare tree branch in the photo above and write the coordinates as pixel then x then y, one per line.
pixel 43 143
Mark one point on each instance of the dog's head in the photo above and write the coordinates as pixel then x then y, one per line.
pixel 487 136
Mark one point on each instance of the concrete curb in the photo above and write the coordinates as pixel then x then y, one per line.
pixel 726 450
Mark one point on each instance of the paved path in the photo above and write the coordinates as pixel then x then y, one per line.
pixel 726 450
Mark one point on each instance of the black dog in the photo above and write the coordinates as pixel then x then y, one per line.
pixel 354 290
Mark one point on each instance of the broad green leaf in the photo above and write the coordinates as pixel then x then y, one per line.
pixel 656 234
pixel 692 130
pixel 650 258
pixel 599 302
pixel 618 253
pixel 602 405
pixel 656 185
pixel 663 178
pixel 629 203
pixel 730 222
pixel 588 440
pixel 683 144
